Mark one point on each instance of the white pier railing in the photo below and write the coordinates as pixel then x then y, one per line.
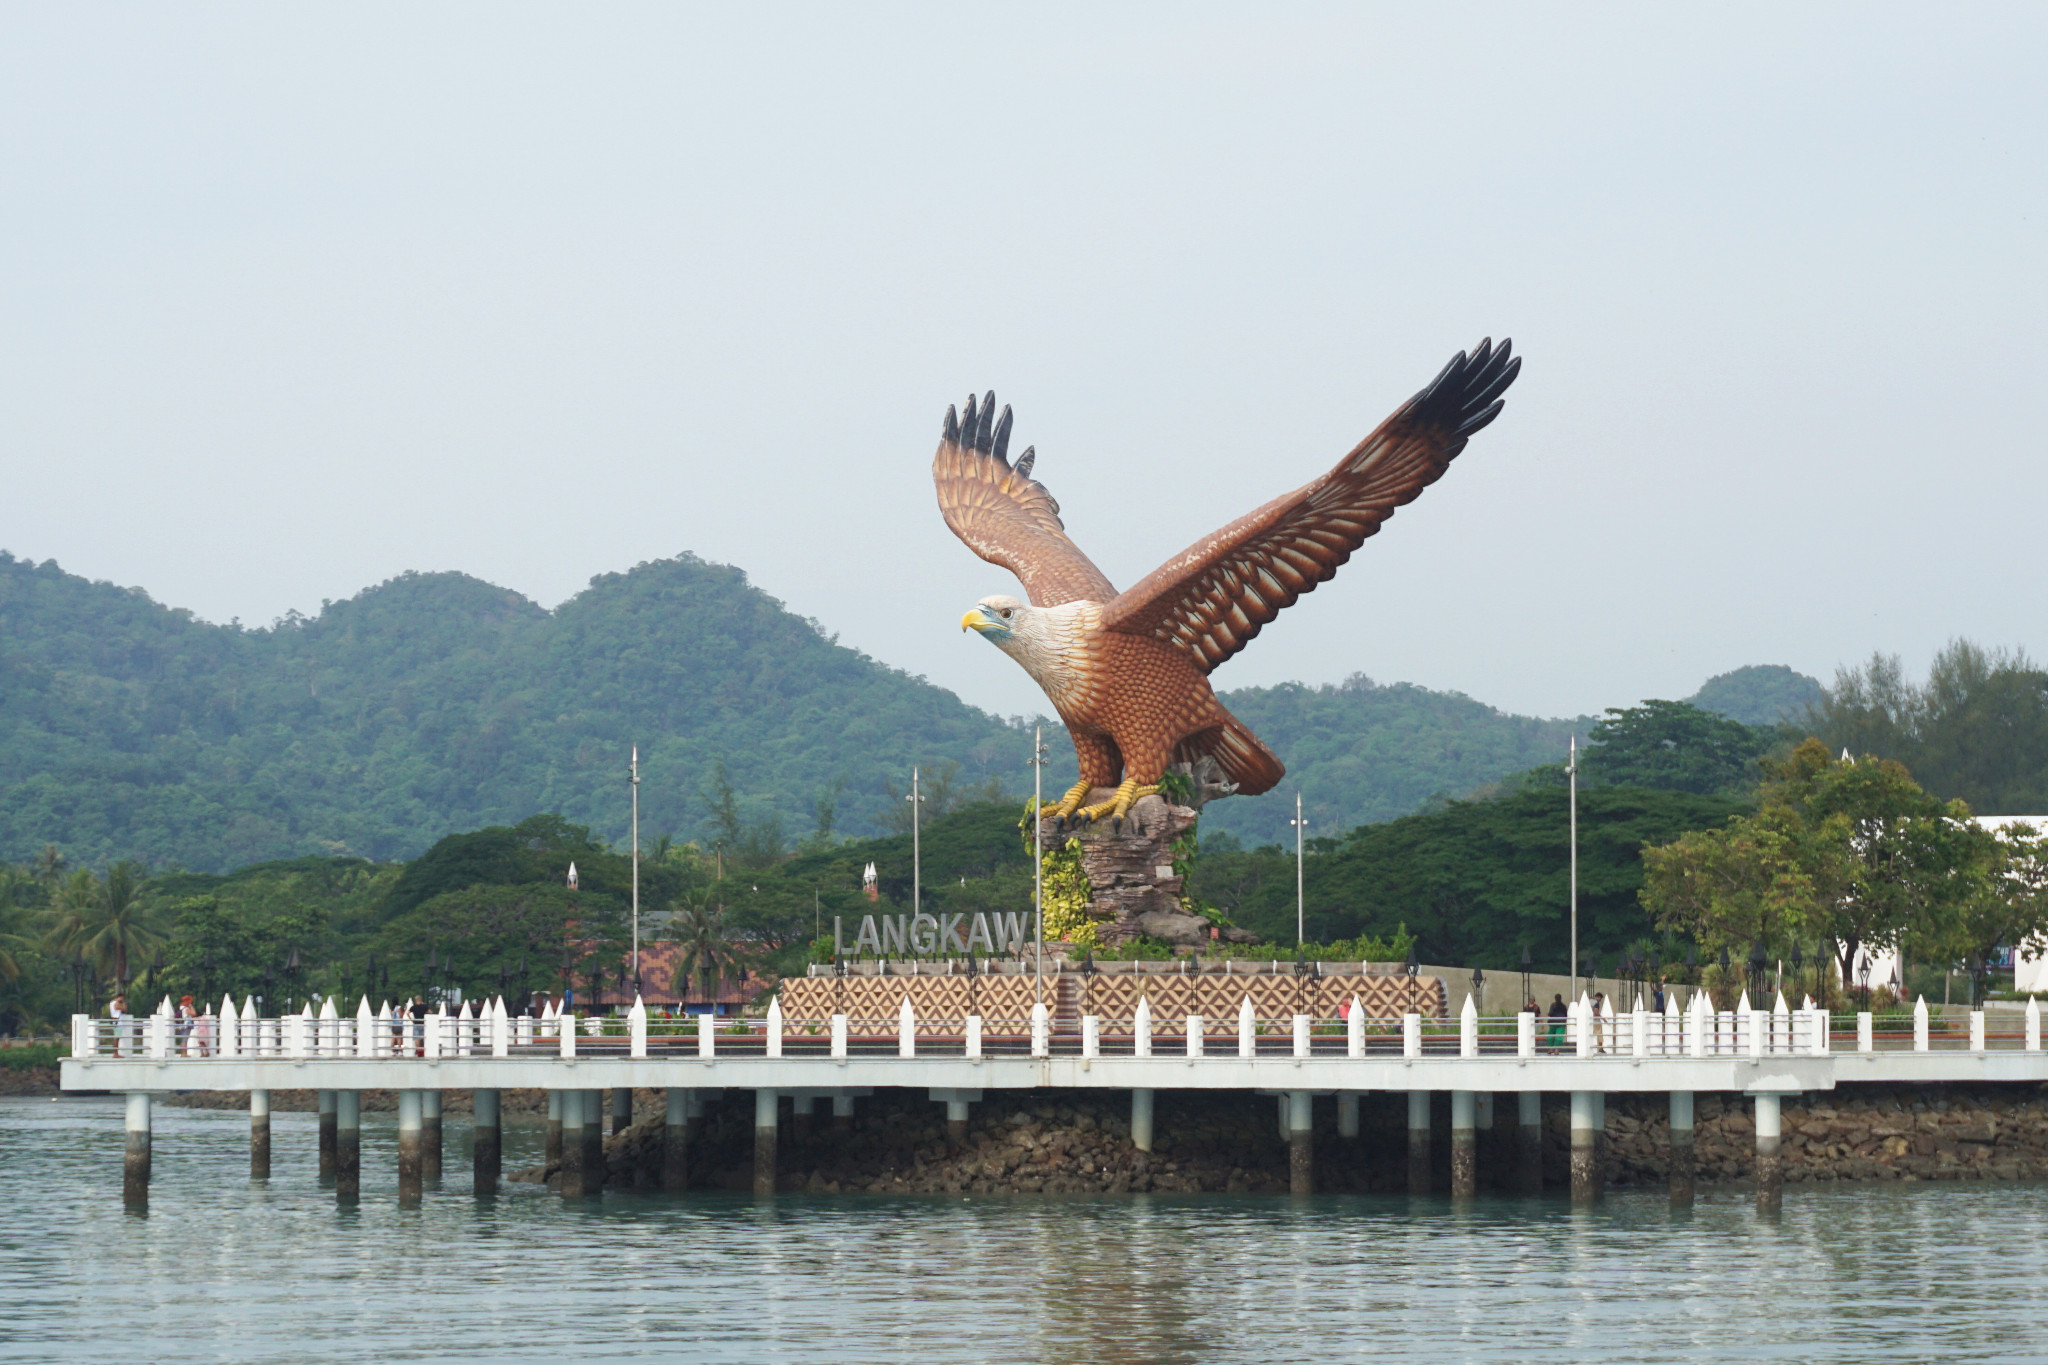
pixel 493 1032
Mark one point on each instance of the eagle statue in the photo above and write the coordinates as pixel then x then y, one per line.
pixel 1128 671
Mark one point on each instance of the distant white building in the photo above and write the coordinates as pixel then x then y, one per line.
pixel 2029 973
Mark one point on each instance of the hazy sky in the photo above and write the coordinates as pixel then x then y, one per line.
pixel 297 298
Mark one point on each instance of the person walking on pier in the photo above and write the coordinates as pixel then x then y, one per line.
pixel 117 1009
pixel 1558 1012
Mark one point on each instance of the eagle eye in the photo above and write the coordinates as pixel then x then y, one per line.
pixel 1006 613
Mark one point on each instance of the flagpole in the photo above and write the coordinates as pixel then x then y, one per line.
pixel 1300 896
pixel 916 848
pixel 1571 772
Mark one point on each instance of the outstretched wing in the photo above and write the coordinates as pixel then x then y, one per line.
pixel 1006 517
pixel 1213 597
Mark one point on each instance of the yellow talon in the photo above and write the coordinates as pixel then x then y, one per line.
pixel 1069 803
pixel 1118 806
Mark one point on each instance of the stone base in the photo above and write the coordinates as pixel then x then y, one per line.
pixel 1130 872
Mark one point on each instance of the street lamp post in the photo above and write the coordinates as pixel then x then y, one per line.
pixel 1571 772
pixel 916 800
pixel 633 776
pixel 1300 881
pixel 1038 860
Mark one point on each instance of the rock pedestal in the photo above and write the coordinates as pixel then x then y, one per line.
pixel 1133 888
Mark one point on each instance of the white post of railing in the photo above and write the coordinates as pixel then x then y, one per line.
pixel 1301 1035
pixel 1247 1030
pixel 636 1028
pixel 1525 1034
pixel 1411 1035
pixel 839 1036
pixel 1582 1024
pixel 1141 1029
pixel 296 1043
pixel 78 1036
pixel 1354 1029
pixel 1639 1022
pixel 523 1030
pixel 974 1034
pixel 1091 1035
pixel 707 1034
pixel 1781 1026
pixel 906 1030
pixel 1468 1029
pixel 774 1029
pixel 1671 1029
pixel 465 1030
pixel 1194 1035
pixel 501 1029
pixel 548 1015
pixel 1702 1014
pixel 159 1047
pixel 1920 1024
pixel 250 1032
pixel 566 1023
pixel 2033 1024
pixel 366 1033
pixel 1865 1040
pixel 1745 1018
pixel 327 1040
pixel 1976 1030
pixel 1041 1031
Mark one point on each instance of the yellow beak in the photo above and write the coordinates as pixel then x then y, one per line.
pixel 975 620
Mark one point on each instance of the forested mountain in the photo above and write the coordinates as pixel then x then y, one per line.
pixel 435 703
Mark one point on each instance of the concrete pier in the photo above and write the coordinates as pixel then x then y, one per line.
pixel 1418 1142
pixel 1347 1115
pixel 1491 1174
pixel 1529 1141
pixel 1464 1145
pixel 410 1144
pixel 956 1118
pixel 595 1171
pixel 487 1142
pixel 135 1168
pixel 348 1144
pixel 675 1142
pixel 622 1108
pixel 1141 1120
pixel 1585 1152
pixel 325 1102
pixel 764 1141
pixel 800 1116
pixel 554 1132
pixel 430 1135
pixel 842 1110
pixel 1681 1161
pixel 259 1135
pixel 1301 1142
pixel 571 1125
pixel 1770 1173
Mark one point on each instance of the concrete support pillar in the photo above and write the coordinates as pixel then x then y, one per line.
pixel 430 1135
pixel 1464 1145
pixel 1681 1157
pixel 487 1142
pixel 1770 1174
pixel 622 1108
pixel 135 1166
pixel 1529 1142
pixel 1347 1116
pixel 324 1100
pixel 348 1144
pixel 956 1119
pixel 1418 1142
pixel 800 1117
pixel 1141 1120
pixel 1585 1153
pixel 554 1137
pixel 573 1148
pixel 1301 1142
pixel 1487 1153
pixel 764 1141
pixel 842 1110
pixel 259 1135
pixel 409 1145
pixel 675 1142
pixel 595 1170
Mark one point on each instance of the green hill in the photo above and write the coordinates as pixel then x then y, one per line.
pixel 436 703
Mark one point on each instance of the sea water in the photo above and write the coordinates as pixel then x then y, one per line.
pixel 221 1268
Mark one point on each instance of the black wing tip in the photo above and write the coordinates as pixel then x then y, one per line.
pixel 1466 394
pixel 979 427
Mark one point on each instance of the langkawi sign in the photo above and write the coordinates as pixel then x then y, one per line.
pixel 923 935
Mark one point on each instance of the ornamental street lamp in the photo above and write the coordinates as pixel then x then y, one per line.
pixel 1300 896
pixel 1526 966
pixel 1758 960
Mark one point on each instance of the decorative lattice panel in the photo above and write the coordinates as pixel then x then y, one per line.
pixel 1004 1003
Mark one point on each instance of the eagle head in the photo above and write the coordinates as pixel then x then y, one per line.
pixel 998 619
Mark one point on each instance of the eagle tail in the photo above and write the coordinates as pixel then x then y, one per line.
pixel 1244 759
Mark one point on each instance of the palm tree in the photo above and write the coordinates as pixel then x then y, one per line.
pixel 708 955
pixel 104 921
